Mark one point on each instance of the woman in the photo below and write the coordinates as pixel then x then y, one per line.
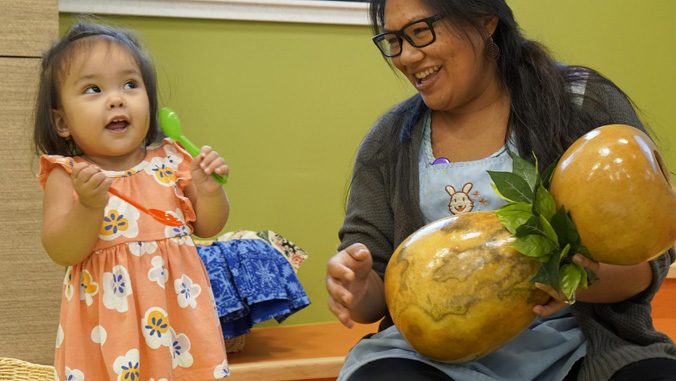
pixel 484 92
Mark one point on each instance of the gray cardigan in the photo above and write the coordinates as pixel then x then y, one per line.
pixel 617 334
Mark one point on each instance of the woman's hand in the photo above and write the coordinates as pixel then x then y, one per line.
pixel 203 165
pixel 559 300
pixel 347 280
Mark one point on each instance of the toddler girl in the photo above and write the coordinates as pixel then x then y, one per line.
pixel 136 303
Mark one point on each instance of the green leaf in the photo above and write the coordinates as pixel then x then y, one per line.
pixel 546 176
pixel 524 169
pixel 511 187
pixel 513 215
pixel 544 203
pixel 534 246
pixel 570 277
pixel 522 206
pixel 564 252
pixel 548 229
pixel 584 283
pixel 566 230
pixel 532 226
pixel 497 191
pixel 543 233
pixel 548 273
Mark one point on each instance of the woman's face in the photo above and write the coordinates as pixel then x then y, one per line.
pixel 451 74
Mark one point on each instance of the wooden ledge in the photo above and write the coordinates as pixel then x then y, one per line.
pixel 300 352
pixel 298 369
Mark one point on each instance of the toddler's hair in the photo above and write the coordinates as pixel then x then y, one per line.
pixel 55 61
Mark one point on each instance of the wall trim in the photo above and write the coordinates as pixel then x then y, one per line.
pixel 302 11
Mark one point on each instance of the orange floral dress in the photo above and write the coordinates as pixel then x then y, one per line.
pixel 141 305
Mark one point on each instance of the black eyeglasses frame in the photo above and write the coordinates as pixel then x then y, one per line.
pixel 400 33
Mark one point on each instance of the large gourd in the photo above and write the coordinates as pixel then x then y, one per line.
pixel 456 290
pixel 619 193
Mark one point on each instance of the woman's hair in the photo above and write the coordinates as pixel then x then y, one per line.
pixel 545 115
pixel 55 62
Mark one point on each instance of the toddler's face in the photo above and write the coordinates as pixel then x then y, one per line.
pixel 104 105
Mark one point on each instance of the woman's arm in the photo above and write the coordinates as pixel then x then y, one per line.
pixel 71 226
pixel 356 292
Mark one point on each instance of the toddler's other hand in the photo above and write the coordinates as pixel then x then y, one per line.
pixel 91 185
pixel 203 165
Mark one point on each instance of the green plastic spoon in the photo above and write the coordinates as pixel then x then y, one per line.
pixel 171 127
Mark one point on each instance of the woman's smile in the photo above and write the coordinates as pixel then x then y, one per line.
pixel 424 78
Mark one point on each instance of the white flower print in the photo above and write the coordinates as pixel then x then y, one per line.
pixel 88 288
pixel 155 328
pixel 180 350
pixel 140 248
pixel 173 157
pixel 162 171
pixel 74 375
pixel 222 371
pixel 68 283
pixel 56 375
pixel 116 287
pixel 99 335
pixel 120 219
pixel 187 291
pixel 158 273
pixel 127 367
pixel 178 234
pixel 59 336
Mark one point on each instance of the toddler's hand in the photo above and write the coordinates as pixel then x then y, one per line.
pixel 91 185
pixel 203 165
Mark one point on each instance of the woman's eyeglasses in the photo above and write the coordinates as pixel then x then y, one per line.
pixel 418 33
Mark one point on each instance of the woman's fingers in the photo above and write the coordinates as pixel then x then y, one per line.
pixel 549 308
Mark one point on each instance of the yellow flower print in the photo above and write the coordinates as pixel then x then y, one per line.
pixel 112 222
pixel 127 173
pixel 120 219
pixel 157 323
pixel 155 327
pixel 88 288
pixel 162 171
pixel 164 174
pixel 127 367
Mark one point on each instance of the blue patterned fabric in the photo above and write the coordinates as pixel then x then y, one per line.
pixel 252 283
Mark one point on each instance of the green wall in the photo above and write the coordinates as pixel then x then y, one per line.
pixel 287 104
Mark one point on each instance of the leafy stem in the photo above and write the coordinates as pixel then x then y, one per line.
pixel 542 231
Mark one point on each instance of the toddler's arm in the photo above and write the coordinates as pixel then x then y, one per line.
pixel 70 227
pixel 206 194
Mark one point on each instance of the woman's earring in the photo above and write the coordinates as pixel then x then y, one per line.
pixel 492 50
